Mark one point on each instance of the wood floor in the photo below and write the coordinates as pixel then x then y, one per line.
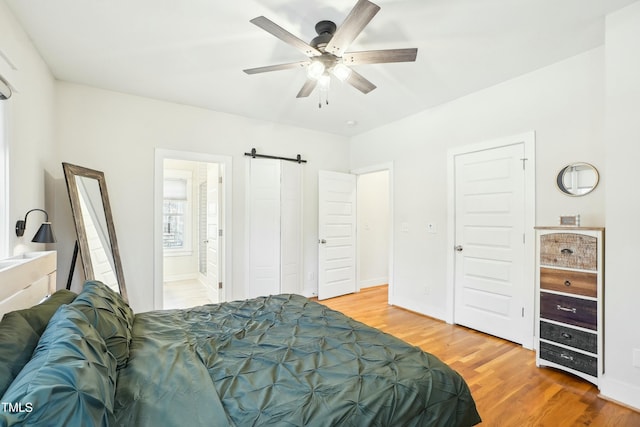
pixel 508 388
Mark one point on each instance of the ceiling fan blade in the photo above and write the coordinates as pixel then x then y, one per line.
pixel 279 67
pixel 361 14
pixel 284 35
pixel 307 88
pixel 380 56
pixel 359 82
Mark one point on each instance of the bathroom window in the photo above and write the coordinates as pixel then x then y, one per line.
pixel 177 212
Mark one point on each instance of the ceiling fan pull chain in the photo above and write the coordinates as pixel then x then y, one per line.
pixel 326 97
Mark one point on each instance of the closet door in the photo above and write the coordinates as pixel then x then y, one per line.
pixel 274 212
pixel 264 227
pixel 291 228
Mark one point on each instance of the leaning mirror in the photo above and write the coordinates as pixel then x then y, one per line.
pixel 95 231
pixel 577 179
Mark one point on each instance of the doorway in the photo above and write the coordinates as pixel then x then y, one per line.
pixel 373 229
pixel 192 223
pixel 346 265
pixel 492 207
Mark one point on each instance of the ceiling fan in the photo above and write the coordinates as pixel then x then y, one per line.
pixel 328 51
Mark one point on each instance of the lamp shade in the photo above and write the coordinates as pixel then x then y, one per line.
pixel 44 234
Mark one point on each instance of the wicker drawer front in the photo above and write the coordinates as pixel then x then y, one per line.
pixel 570 359
pixel 569 250
pixel 572 337
pixel 573 282
pixel 574 311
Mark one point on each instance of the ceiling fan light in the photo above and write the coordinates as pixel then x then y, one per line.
pixel 324 81
pixel 315 70
pixel 342 72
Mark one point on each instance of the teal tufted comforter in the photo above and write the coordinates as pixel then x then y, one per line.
pixel 281 360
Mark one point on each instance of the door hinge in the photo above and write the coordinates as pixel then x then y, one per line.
pixel 219 180
pixel 220 232
pixel 524 163
pixel 524 238
pixel 219 285
pixel 522 311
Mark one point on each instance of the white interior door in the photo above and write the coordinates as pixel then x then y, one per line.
pixel 263 210
pixel 291 227
pixel 336 234
pixel 489 235
pixel 213 240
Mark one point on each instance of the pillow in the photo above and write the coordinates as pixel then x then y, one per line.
pixel 112 317
pixel 20 331
pixel 38 316
pixel 70 379
pixel 17 341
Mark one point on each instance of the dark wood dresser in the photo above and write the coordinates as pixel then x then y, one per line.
pixel 570 277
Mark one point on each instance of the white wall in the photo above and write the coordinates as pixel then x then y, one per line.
pixel 118 133
pixel 30 133
pixel 562 103
pixel 622 317
pixel 373 229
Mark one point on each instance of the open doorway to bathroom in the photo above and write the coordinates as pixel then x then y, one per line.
pixel 192 246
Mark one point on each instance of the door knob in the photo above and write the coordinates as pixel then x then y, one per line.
pixel 458 248
pixel 322 241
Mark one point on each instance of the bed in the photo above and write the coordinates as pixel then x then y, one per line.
pixel 278 360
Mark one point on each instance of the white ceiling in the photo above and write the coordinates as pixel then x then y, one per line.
pixel 193 51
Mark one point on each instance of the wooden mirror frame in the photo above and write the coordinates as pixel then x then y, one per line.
pixel 70 174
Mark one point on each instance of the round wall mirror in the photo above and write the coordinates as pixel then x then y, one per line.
pixel 578 179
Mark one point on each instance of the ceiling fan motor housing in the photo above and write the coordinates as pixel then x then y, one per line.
pixel 325 30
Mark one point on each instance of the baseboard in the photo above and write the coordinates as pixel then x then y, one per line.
pixel 309 292
pixel 624 394
pixel 378 281
pixel 179 277
pixel 419 307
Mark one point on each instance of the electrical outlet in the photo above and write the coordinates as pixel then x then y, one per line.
pixel 636 357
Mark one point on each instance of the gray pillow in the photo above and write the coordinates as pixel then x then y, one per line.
pixel 70 379
pixel 38 316
pixel 20 331
pixel 112 317
pixel 17 342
